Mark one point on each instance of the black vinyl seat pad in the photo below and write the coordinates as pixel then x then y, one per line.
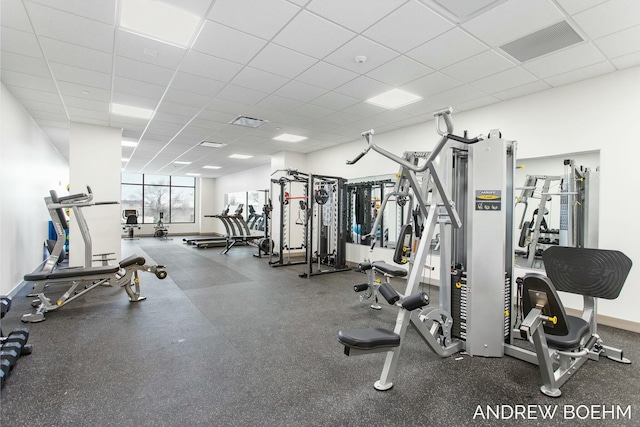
pixel 578 329
pixel 388 269
pixel 72 273
pixel 367 339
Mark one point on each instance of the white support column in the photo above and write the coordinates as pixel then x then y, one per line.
pixel 95 159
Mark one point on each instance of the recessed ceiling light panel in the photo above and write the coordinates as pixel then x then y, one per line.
pixel 127 143
pixel 159 21
pixel 395 98
pixel 212 144
pixel 193 174
pixel 129 111
pixel 211 167
pixel 248 121
pixel 287 137
pixel 240 156
pixel 181 162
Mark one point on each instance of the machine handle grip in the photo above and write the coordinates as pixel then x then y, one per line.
pixel 358 157
pixel 465 140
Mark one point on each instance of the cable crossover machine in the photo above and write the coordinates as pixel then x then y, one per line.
pixel 466 192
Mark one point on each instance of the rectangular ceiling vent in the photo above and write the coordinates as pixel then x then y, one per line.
pixel 542 42
pixel 248 121
pixel 212 144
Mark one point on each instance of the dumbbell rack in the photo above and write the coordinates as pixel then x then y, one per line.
pixel 13 345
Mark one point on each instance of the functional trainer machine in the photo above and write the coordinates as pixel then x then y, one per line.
pixel 471 193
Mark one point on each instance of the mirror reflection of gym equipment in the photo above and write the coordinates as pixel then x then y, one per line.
pixel 556 209
pixel 472 187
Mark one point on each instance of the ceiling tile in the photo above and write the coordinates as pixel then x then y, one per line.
pixel 408 27
pixel 574 6
pixel 137 88
pixel 300 91
pixel 71 28
pixel 375 54
pixel 312 35
pixel 103 11
pixel 627 61
pixel 186 98
pixel 197 7
pixel 335 101
pixel 621 43
pixel 209 67
pixel 68 73
pixel 27 64
pixel 581 74
pixel 461 9
pixel 279 103
pixel 75 113
pixel 447 49
pixel 326 76
pixel 513 19
pixel 476 103
pixel 33 94
pixel 241 94
pixel 356 15
pixel 127 98
pixel 78 56
pixel 364 109
pixel 87 104
pixel 227 43
pixel 431 84
pixel 609 17
pixel 81 91
pixel 522 90
pixel 142 71
pixel 227 106
pixel 399 71
pixel 477 67
pixel 282 61
pixel 196 84
pixel 312 111
pixel 20 42
pixel 58 125
pixel 134 46
pixel 565 60
pixel 28 81
pixel 253 78
pixel 504 80
pixel 179 109
pixel 42 106
pixel 45 115
pixel 263 18
pixel 363 88
pixel 13 15
pixel 453 96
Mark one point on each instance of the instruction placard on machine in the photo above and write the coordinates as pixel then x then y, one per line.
pixel 488 200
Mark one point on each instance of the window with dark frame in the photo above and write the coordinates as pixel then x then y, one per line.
pixel 151 195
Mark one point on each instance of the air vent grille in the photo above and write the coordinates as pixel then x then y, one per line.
pixel 542 42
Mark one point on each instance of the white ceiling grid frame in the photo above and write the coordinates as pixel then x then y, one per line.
pixel 133 46
pixel 438 52
pixel 226 43
pixel 478 66
pixel 355 15
pixel 264 18
pixel 101 11
pixel 375 54
pixel 76 55
pixel 620 43
pixel 567 59
pixel 609 17
pixel 14 16
pixel 399 71
pixel 326 76
pixel 408 27
pixel 312 35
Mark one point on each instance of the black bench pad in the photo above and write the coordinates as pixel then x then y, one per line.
pixel 133 259
pixel 368 339
pixel 69 273
pixel 578 328
pixel 389 270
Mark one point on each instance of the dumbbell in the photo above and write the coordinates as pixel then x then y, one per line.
pixel 5 305
pixel 20 336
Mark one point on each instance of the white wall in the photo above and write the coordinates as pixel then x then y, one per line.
pixel 29 167
pixel 595 114
pixel 249 180
pixel 95 154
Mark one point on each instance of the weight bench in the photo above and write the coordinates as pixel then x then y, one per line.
pixel 83 280
pixel 563 343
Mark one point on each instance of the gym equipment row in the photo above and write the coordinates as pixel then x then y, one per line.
pixel 321 224
pixel 472 209
pixel 81 279
pixel 13 346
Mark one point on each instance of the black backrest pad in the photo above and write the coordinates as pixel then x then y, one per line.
pixel 597 273
pixel 540 283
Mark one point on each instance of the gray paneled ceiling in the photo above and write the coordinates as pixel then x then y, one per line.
pixel 291 63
